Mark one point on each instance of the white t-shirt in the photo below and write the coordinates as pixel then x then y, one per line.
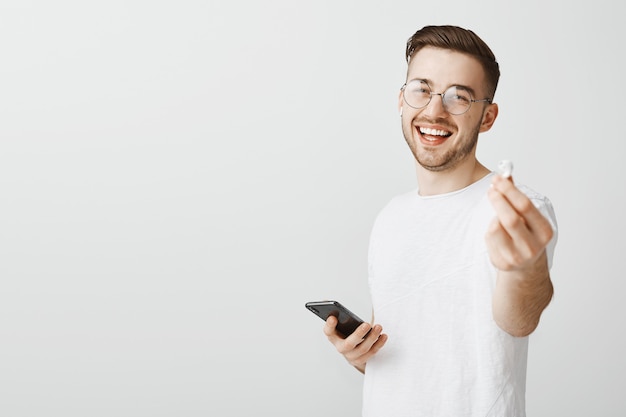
pixel 431 283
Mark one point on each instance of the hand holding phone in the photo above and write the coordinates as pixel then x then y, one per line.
pixel 356 349
pixel 347 321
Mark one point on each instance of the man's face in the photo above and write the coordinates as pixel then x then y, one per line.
pixel 439 140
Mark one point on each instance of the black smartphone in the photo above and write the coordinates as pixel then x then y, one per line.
pixel 347 321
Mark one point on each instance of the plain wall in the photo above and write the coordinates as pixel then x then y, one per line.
pixel 178 178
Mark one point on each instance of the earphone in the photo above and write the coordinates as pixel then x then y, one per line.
pixel 505 168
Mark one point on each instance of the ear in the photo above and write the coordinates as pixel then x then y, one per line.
pixel 400 102
pixel 489 117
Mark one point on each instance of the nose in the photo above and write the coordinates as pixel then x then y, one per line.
pixel 435 106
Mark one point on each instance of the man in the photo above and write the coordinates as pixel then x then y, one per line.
pixel 459 268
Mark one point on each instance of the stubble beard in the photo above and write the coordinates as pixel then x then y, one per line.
pixel 431 160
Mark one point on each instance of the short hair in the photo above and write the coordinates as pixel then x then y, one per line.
pixel 460 40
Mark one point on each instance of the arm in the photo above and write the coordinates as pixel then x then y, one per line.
pixel 356 348
pixel 517 240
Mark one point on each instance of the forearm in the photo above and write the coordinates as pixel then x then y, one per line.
pixel 521 296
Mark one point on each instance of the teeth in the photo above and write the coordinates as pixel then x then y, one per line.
pixel 433 132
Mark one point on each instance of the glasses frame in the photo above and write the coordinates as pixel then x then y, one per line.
pixel 443 101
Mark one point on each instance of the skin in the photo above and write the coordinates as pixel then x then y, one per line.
pixel 446 164
pixel 356 348
pixel 518 235
pixel 517 239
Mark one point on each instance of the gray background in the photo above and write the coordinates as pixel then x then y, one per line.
pixel 178 178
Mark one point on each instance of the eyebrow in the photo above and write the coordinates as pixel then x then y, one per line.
pixel 464 87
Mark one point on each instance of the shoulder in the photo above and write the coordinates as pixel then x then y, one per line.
pixel 544 205
pixel 400 201
pixel 531 193
pixel 395 208
pixel 540 201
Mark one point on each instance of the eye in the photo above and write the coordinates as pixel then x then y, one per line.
pixel 458 95
pixel 418 88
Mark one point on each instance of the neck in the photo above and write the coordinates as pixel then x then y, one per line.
pixel 454 179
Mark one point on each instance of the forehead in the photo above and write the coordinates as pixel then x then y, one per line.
pixel 443 68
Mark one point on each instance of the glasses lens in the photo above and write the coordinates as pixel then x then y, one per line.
pixel 457 100
pixel 417 94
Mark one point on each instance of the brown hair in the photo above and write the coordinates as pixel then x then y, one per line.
pixel 460 40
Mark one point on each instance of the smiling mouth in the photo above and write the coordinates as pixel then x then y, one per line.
pixel 433 135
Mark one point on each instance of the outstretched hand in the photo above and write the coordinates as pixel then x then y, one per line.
pixel 516 240
pixel 518 235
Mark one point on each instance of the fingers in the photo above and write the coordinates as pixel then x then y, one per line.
pixel 520 232
pixel 358 347
pixel 508 220
pixel 359 356
pixel 330 326
pixel 517 214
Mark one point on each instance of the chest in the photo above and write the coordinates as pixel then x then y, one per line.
pixel 427 244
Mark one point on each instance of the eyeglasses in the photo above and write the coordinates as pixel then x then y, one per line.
pixel 456 99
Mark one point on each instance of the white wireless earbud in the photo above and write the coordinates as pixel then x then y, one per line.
pixel 505 168
pixel 400 111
